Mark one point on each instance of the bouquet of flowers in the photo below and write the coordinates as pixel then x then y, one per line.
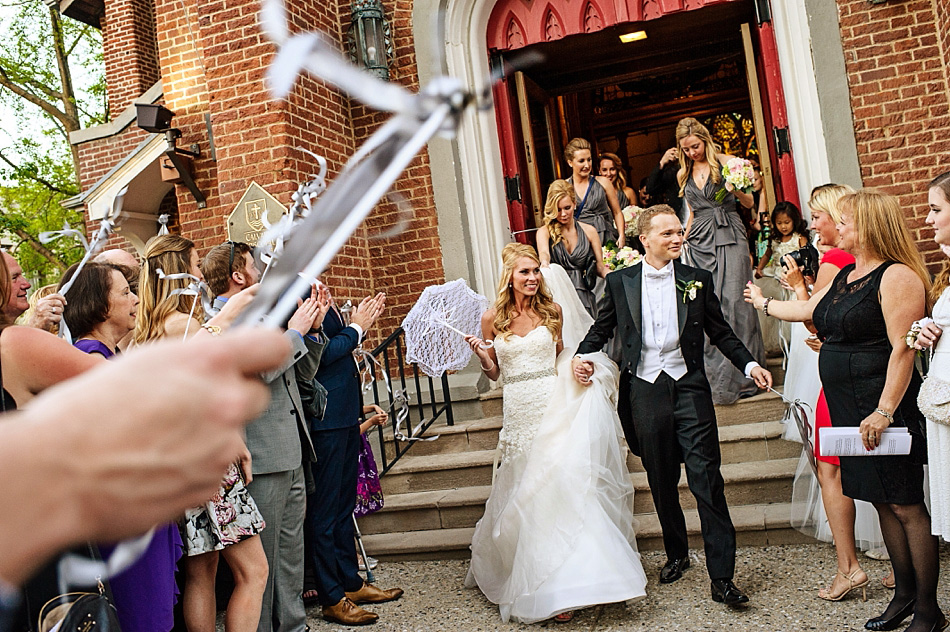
pixel 630 214
pixel 616 259
pixel 738 172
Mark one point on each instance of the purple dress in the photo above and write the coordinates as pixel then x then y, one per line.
pixel 146 592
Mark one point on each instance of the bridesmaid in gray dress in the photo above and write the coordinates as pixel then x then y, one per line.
pixel 571 244
pixel 597 203
pixel 611 168
pixel 716 241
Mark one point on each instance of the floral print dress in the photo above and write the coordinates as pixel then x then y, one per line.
pixel 229 517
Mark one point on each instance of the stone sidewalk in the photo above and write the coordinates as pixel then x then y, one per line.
pixel 782 582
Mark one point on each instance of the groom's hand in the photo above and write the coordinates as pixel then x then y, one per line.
pixel 763 379
pixel 582 371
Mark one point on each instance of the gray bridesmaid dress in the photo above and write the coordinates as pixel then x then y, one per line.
pixel 593 209
pixel 579 264
pixel 717 242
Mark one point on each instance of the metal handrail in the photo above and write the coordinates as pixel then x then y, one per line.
pixel 390 355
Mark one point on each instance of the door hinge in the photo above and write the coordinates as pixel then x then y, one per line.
pixel 513 188
pixel 782 143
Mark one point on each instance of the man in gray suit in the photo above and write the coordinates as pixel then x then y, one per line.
pixel 278 440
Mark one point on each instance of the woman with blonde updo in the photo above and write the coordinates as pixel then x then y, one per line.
pixel 573 245
pixel 716 241
pixel 597 203
pixel 557 531
pixel 229 523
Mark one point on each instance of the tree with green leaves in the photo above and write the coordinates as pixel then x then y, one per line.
pixel 41 54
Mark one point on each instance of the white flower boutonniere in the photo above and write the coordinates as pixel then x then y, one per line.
pixel 689 289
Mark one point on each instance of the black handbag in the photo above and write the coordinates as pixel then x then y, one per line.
pixel 88 612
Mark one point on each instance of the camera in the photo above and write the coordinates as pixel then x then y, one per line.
pixel 806 259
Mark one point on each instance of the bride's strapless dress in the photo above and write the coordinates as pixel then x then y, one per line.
pixel 558 532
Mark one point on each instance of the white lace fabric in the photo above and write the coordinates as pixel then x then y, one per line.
pixel 938 435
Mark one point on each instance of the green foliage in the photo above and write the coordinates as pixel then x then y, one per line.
pixel 52 82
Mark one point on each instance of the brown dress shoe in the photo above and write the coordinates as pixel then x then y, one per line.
pixel 345 612
pixel 369 593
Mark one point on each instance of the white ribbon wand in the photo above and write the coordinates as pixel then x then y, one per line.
pixel 106 227
pixel 194 288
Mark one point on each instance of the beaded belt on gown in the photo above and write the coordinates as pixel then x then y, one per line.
pixel 533 375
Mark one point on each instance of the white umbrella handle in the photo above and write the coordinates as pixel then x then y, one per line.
pixel 488 344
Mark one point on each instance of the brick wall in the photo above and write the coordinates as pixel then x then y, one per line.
pixel 130 51
pixel 897 73
pixel 213 58
pixel 406 264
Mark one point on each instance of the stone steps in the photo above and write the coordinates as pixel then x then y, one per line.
pixel 436 493
pixel 756 525
pixel 751 483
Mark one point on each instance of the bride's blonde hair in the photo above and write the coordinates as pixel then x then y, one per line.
pixel 541 303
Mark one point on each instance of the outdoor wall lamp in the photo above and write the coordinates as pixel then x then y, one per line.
pixel 157 119
pixel 369 38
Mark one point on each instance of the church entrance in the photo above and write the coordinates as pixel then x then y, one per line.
pixel 621 76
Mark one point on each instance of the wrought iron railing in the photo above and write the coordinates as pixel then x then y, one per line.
pixel 405 379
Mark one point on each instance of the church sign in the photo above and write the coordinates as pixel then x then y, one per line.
pixel 247 221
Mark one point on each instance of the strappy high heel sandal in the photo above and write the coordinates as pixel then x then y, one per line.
pixel 825 593
pixel 564 617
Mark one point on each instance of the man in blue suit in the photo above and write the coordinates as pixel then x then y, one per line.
pixel 336 441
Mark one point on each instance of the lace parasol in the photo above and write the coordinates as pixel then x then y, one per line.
pixel 437 324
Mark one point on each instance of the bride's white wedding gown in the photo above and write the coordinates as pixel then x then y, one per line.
pixel 558 530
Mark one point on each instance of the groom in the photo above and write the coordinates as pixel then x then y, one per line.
pixel 661 309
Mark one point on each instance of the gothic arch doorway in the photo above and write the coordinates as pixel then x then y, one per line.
pixel 712 59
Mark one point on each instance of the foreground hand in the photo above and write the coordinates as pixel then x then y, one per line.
pixel 583 370
pixel 871 429
pixel 762 378
pixel 181 428
pixel 928 336
pixel 814 343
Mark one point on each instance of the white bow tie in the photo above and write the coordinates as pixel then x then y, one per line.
pixel 652 273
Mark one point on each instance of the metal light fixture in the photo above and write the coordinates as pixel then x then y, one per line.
pixel 369 38
pixel 626 38
pixel 157 119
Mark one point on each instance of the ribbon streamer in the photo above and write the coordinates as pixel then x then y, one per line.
pixel 196 287
pixel 163 223
pixel 78 571
pixel 796 411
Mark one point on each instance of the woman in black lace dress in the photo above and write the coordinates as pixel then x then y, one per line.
pixel 868 374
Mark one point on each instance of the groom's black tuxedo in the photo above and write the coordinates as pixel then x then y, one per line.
pixel 673 421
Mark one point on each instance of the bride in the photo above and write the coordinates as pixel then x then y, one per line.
pixel 557 533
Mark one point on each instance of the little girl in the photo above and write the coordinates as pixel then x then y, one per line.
pixel 789 233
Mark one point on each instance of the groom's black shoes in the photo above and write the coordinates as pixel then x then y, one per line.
pixel 673 570
pixel 724 591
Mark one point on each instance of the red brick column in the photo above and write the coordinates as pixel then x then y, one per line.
pixel 130 51
pixel 898 79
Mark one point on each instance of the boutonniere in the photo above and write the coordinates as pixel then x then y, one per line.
pixel 689 289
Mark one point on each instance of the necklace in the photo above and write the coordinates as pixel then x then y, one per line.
pixel 702 177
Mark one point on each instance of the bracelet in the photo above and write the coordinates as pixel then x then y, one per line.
pixel 765 305
pixel 489 368
pixel 885 414
pixel 214 330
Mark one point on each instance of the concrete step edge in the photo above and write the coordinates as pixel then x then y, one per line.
pixel 445 461
pixel 746 518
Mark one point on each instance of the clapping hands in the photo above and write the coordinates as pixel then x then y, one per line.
pixel 310 312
